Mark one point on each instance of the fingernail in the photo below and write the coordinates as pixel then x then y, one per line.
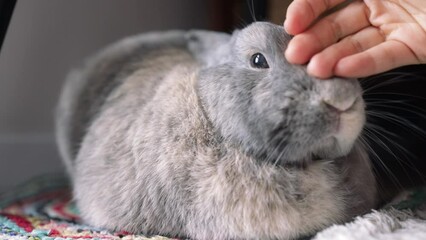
pixel 285 25
pixel 311 70
pixel 287 54
pixel 316 70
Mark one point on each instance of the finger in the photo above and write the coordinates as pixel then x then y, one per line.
pixel 327 32
pixel 383 57
pixel 323 63
pixel 301 13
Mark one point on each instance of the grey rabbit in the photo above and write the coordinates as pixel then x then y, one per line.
pixel 206 135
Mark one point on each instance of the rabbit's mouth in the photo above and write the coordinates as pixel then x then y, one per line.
pixel 315 157
pixel 305 162
pixel 342 138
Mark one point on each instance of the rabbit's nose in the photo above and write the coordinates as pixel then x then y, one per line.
pixel 339 94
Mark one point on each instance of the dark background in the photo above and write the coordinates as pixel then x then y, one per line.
pixel 46 38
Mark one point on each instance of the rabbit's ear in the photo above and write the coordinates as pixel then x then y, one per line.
pixel 209 48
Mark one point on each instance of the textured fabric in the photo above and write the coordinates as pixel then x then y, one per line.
pixel 402 219
pixel 42 209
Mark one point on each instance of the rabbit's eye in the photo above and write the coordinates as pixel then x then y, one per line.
pixel 258 61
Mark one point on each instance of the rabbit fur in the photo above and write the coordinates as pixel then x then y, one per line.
pixel 177 133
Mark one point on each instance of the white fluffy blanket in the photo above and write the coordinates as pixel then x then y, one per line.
pixel 405 219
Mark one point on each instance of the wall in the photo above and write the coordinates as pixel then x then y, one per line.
pixel 277 10
pixel 45 39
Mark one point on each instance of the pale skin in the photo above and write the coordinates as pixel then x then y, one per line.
pixel 364 38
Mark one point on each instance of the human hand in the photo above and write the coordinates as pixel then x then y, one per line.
pixel 364 38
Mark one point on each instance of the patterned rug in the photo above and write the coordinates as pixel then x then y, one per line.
pixel 42 209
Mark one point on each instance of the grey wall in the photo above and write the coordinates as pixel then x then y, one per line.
pixel 44 40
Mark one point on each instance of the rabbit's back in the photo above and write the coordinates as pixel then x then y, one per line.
pixel 87 89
